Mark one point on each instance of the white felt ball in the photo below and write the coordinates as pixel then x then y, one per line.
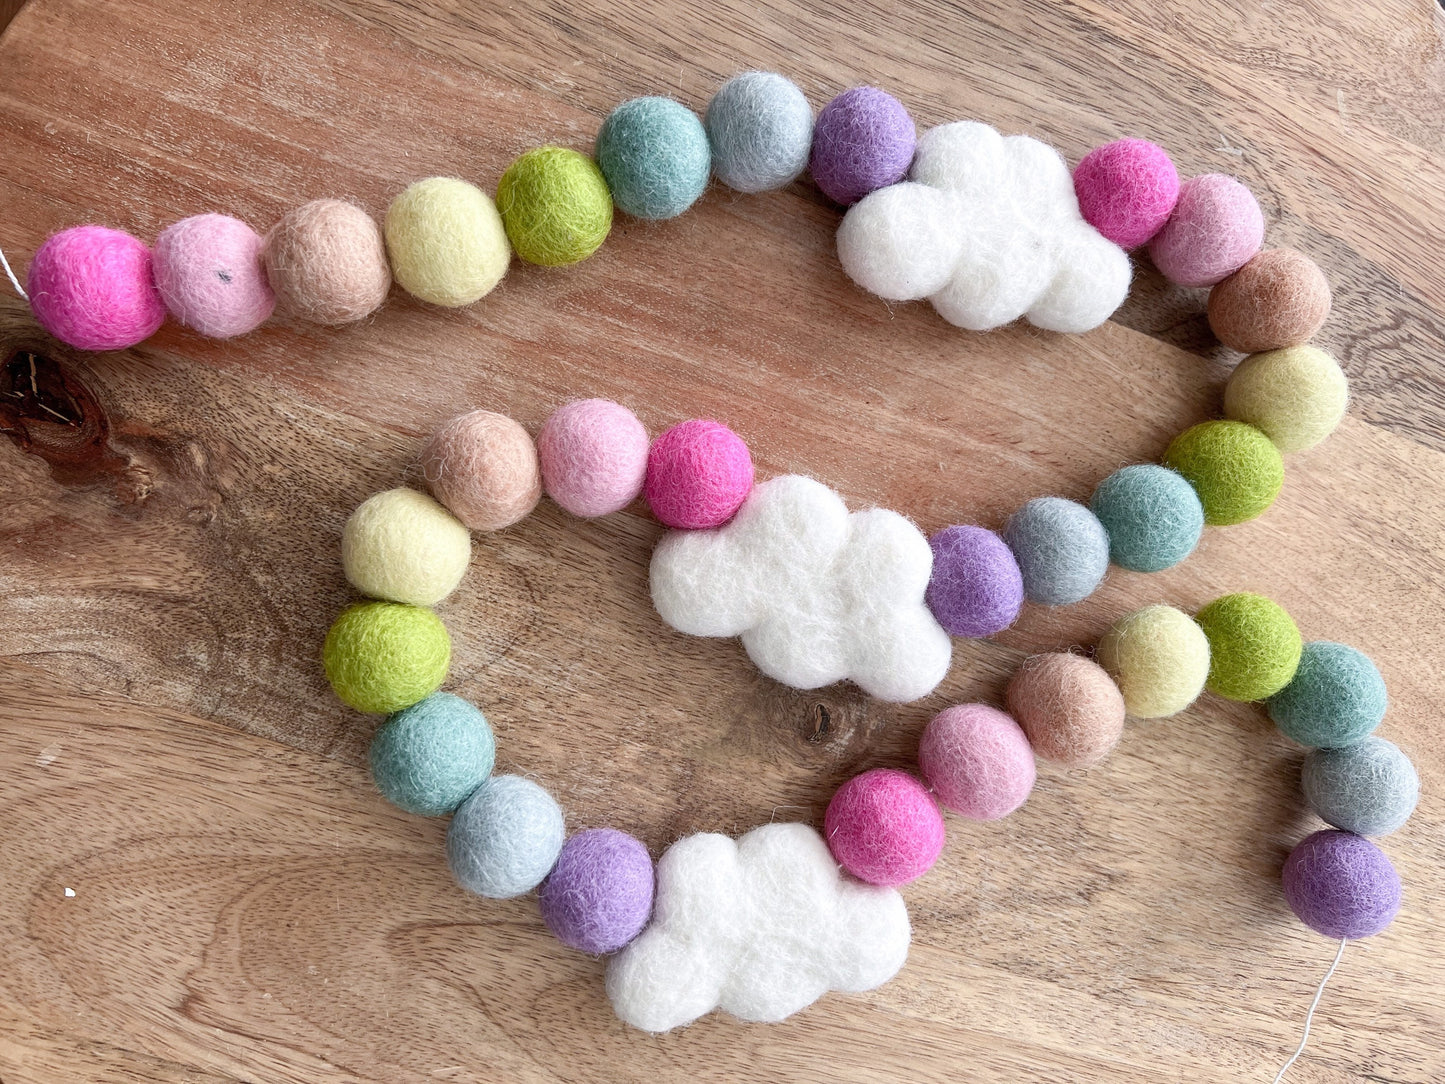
pixel 761 129
pixel 505 838
pixel 901 242
pixel 403 546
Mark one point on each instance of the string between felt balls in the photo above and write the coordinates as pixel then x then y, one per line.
pixel 1310 1016
pixel 13 280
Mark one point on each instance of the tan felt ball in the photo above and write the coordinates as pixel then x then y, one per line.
pixel 1280 298
pixel 484 468
pixel 1069 707
pixel 326 262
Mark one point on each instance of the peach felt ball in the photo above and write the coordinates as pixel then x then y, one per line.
pixel 884 827
pixel 94 288
pixel 209 273
pixel 594 456
pixel 698 475
pixel 483 467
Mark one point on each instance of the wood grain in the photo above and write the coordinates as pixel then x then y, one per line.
pixel 245 906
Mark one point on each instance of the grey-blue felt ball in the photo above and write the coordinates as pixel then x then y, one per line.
pixel 429 757
pixel 760 126
pixel 1152 514
pixel 1061 547
pixel 1369 788
pixel 505 838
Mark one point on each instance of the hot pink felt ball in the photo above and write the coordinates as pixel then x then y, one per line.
pixel 698 475
pixel 1216 228
pixel 594 456
pixel 93 288
pixel 978 761
pixel 210 275
pixel 884 827
pixel 1126 190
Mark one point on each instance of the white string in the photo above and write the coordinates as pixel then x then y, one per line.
pixel 1309 1016
pixel 13 280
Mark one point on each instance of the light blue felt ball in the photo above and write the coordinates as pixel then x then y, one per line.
pixel 427 758
pixel 760 126
pixel 1152 515
pixel 1336 697
pixel 654 153
pixel 1369 788
pixel 1061 547
pixel 505 838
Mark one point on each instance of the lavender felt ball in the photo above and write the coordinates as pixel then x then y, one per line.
pixel 976 589
pixel 863 140
pixel 1341 885
pixel 599 895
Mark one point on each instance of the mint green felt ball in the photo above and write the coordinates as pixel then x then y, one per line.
pixel 1336 697
pixel 429 757
pixel 385 656
pixel 655 155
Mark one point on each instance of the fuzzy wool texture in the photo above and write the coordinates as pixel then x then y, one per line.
pixel 1152 516
pixel 760 928
pixel 1215 229
pixel 863 141
pixel 1127 189
pixel 209 273
pixel 428 759
pixel 1296 396
pixel 555 205
pixel 384 656
pixel 326 263
pixel 1254 646
pixel 989 230
pixel 94 288
pixel 1335 697
pixel 1069 707
pixel 654 153
pixel 1279 298
pixel 699 472
pixel 598 897
pixel 1159 658
pixel 1369 788
pixel 593 455
pixel 484 467
pixel 1341 885
pixel 976 589
pixel 402 546
pixel 505 838
pixel 1062 550
pixel 1234 467
pixel 817 594
pixel 446 241
pixel 760 127
pixel 884 827
pixel 977 761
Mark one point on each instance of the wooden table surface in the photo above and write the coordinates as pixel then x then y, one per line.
pixel 197 881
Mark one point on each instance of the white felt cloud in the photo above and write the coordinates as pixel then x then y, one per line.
pixel 760 928
pixel 818 595
pixel 989 230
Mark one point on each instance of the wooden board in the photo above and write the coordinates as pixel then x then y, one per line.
pixel 198 882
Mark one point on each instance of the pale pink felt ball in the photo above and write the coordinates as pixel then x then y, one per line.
pixel 1127 190
pixel 210 275
pixel 884 827
pixel 94 288
pixel 1215 229
pixel 698 475
pixel 594 456
pixel 978 761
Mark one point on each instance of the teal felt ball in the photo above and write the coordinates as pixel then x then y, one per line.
pixel 429 757
pixel 655 156
pixel 1336 697
pixel 1152 515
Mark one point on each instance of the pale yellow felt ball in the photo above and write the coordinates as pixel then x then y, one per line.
pixel 1159 658
pixel 403 546
pixel 1295 396
pixel 446 241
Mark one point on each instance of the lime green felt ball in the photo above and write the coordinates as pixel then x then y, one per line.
pixel 385 656
pixel 1236 470
pixel 1254 646
pixel 555 205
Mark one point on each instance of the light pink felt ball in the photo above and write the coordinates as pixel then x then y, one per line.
pixel 594 456
pixel 1127 190
pixel 1216 228
pixel 210 275
pixel 698 475
pixel 884 827
pixel 93 288
pixel 978 761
